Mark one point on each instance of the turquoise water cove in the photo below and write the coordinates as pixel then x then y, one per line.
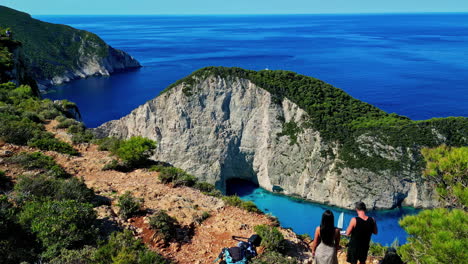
pixel 303 216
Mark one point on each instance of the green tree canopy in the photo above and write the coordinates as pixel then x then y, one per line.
pixel 59 224
pixel 436 236
pixel 448 168
pixel 135 150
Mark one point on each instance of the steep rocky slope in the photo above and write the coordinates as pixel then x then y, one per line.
pixel 57 53
pixel 206 239
pixel 219 127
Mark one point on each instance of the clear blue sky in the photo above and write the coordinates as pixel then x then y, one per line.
pixel 138 7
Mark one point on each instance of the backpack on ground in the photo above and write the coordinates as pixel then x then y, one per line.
pixel 242 253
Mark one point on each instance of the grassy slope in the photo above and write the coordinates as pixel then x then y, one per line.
pixel 50 48
pixel 341 118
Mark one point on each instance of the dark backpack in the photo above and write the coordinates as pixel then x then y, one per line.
pixel 242 253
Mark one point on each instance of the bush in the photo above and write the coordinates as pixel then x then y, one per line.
pixel 75 256
pixel 39 161
pixel 59 224
pixel 208 189
pixel 164 225
pixel 377 250
pixel 18 131
pixel 36 187
pixel 136 150
pixel 82 137
pixel 49 114
pixel 176 176
pixel 202 218
pixel 272 239
pixel 76 128
pixel 112 165
pixel 236 201
pixel 16 245
pixel 273 258
pixel 108 144
pixel 53 144
pixel 122 247
pixel 66 123
pixel 129 205
pixel 436 236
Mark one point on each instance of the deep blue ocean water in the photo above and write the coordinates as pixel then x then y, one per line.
pixel 413 65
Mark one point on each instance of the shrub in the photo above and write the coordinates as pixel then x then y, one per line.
pixel 66 123
pixel 112 165
pixel 59 224
pixel 18 131
pixel 109 144
pixel 435 236
pixel 73 189
pixel 203 217
pixel 377 250
pixel 82 137
pixel 50 114
pixel 121 247
pixel 236 201
pixel 129 205
pixel 37 160
pixel 136 150
pixel 176 176
pixel 32 116
pixel 273 258
pixel 164 225
pixel 53 144
pixel 16 245
pixel 75 256
pixel 76 128
pixel 208 189
pixel 34 187
pixel 272 239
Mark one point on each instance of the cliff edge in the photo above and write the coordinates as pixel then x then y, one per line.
pixel 222 123
pixel 56 54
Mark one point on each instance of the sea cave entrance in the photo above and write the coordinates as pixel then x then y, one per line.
pixel 240 187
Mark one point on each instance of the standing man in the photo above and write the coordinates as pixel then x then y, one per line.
pixel 361 229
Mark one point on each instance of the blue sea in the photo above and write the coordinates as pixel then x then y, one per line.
pixel 414 65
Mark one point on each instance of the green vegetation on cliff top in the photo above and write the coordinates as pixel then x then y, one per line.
pixel 342 119
pixel 50 49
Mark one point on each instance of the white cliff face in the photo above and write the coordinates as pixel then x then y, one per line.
pixel 93 65
pixel 229 129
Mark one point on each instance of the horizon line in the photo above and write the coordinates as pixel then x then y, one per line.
pixel 260 14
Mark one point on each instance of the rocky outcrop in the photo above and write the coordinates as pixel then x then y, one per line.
pixel 222 128
pixel 92 65
pixel 56 53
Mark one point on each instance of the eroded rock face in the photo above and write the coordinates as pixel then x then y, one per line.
pixel 93 65
pixel 223 129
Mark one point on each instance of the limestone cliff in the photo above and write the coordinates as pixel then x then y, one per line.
pixel 219 128
pixel 55 53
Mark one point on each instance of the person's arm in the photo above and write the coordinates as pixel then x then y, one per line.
pixel 375 231
pixel 351 226
pixel 316 240
pixel 337 239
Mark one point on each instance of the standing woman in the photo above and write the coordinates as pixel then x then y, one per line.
pixel 326 240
